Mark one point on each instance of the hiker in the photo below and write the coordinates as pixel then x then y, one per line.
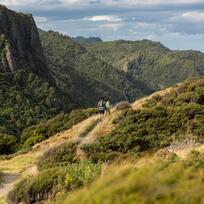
pixel 101 107
pixel 108 106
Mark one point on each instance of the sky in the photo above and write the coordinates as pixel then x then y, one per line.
pixel 178 24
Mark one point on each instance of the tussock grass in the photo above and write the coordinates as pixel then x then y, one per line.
pixel 49 182
pixel 163 181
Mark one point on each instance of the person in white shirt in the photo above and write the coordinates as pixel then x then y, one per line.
pixel 108 106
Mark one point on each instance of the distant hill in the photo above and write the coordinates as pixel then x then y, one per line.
pixel 150 62
pixel 82 40
pixel 81 75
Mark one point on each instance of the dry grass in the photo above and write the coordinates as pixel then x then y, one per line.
pixel 139 103
pixel 25 164
pixel 19 163
pixel 22 162
pixel 71 134
pixel 184 152
pixel 103 128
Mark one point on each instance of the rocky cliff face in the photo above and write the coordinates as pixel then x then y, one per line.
pixel 20 46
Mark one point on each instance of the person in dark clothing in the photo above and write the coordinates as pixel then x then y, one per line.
pixel 101 107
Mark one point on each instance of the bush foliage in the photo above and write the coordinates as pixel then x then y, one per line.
pixel 177 116
pixel 160 181
pixel 8 144
pixel 61 155
pixel 25 99
pixel 55 125
pixel 51 181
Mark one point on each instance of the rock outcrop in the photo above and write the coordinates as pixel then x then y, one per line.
pixel 20 46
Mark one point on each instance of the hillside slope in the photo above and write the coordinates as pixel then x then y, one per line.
pixel 150 62
pixel 79 73
pixel 28 93
pixel 135 140
pixel 173 117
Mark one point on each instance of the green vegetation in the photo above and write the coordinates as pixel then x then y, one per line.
pixel 174 117
pixel 150 62
pixel 53 180
pixel 25 99
pixel 162 181
pixel 63 121
pixel 61 155
pixel 70 64
pixel 7 144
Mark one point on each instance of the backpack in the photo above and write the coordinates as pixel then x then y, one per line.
pixel 101 105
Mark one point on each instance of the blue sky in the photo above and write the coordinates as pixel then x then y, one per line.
pixel 178 24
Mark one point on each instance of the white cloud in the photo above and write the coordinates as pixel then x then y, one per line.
pixel 149 2
pixel 18 2
pixel 191 17
pixel 108 18
pixel 197 17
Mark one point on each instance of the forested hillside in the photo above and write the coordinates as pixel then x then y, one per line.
pixel 150 62
pixel 79 73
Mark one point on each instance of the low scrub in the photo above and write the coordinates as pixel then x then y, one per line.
pixel 161 181
pixel 162 121
pixel 61 122
pixel 61 155
pixel 8 144
pixel 49 182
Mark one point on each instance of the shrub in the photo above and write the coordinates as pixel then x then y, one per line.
pixel 159 181
pixel 61 155
pixel 32 141
pixel 61 122
pixel 32 190
pixel 155 126
pixel 7 144
pixel 51 181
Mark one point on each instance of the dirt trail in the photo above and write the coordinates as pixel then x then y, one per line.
pixel 68 135
pixel 104 127
pixel 8 181
pixel 25 165
pixel 84 132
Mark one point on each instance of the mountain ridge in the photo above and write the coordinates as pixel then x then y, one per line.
pixel 20 43
pixel 150 62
